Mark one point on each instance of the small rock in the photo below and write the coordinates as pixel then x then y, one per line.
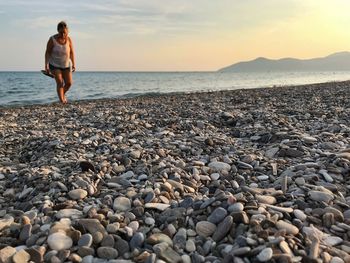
pixel 290 229
pixel 190 246
pixel 158 206
pixel 87 166
pixel 69 213
pixel 77 194
pixel 6 254
pixel 321 196
pixel 59 241
pixel 219 166
pixel 223 228
pixel 265 255
pixel 85 240
pixel 107 252
pixel 332 241
pixel 122 204
pixel 205 228
pixel 137 240
pixel 217 215
pixel 21 257
pixel 6 222
pixel 157 238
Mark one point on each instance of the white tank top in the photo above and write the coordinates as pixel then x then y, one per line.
pixel 60 54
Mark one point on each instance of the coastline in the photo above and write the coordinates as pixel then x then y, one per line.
pixel 142 96
pixel 225 175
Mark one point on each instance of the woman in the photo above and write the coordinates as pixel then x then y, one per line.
pixel 59 60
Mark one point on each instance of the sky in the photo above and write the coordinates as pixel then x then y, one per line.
pixel 172 35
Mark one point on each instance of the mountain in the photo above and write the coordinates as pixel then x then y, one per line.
pixel 335 62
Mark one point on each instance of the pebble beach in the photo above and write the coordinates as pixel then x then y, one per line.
pixel 255 175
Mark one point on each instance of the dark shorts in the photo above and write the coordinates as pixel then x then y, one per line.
pixel 52 68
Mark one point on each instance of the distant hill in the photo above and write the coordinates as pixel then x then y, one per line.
pixel 335 62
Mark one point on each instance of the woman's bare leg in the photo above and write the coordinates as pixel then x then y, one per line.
pixel 59 85
pixel 67 78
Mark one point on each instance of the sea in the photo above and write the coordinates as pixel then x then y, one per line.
pixel 31 88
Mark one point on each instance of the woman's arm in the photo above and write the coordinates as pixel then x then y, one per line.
pixel 72 54
pixel 49 47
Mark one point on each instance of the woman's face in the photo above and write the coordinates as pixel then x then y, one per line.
pixel 63 32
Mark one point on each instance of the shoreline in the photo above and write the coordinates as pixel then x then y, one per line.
pixel 150 95
pixel 255 175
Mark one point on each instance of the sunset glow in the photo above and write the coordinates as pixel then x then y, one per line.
pixel 160 35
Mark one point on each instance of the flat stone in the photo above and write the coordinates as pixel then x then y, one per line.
pixel 290 229
pixel 59 241
pixel 266 199
pixel 321 196
pixel 149 221
pixel 137 240
pixel 6 254
pixel 122 246
pixel 236 208
pixel 223 228
pixel 176 185
pixel 165 252
pixel 309 139
pixel 180 238
pixel 243 165
pixel 300 214
pixel 6 222
pixel 136 154
pixel 280 209
pixel 159 238
pixel 345 155
pixel 270 153
pixel 107 252
pixel 85 240
pixel 190 246
pixel 26 232
pixel 86 251
pixel 158 206
pixel 263 177
pixel 217 215
pixel 69 213
pixel 108 241
pixel 92 225
pixel 77 194
pixel 215 176
pixel 285 248
pixel 332 241
pixel 338 215
pixel 326 175
pixel 346 214
pixel 122 204
pixel 219 166
pixel 207 202
pixel 21 257
pixel 150 197
pixel 289 152
pixel 205 228
pixel 336 260
pixel 240 251
pixel 265 255
pixel 36 254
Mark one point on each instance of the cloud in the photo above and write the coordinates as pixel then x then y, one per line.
pixel 152 17
pixel 146 17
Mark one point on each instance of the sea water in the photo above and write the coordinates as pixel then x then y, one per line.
pixel 27 88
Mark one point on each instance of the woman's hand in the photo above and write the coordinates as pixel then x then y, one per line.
pixel 73 68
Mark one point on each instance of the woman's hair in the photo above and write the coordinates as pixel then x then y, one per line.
pixel 61 25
